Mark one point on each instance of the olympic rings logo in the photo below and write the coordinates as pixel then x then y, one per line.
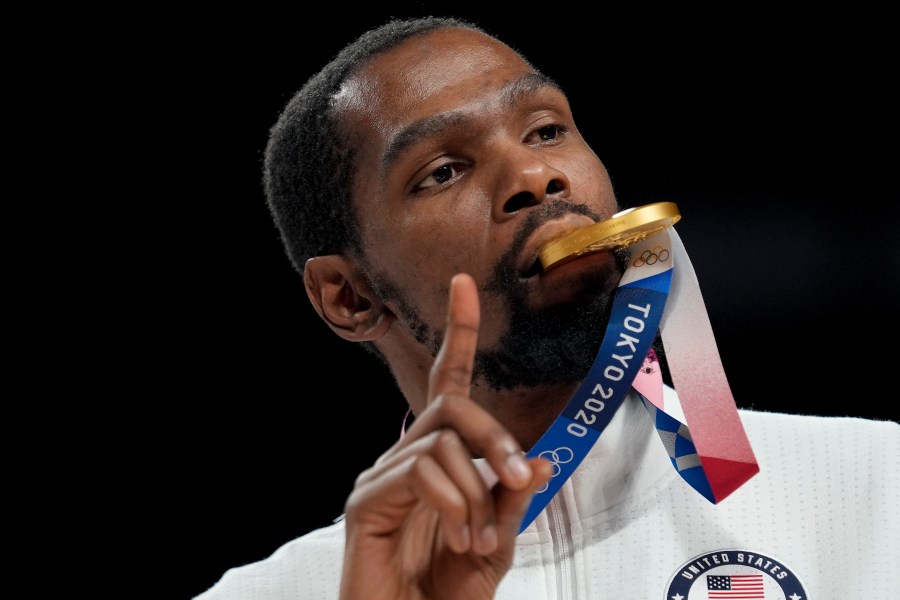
pixel 649 257
pixel 557 457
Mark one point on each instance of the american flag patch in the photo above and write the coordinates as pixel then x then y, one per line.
pixel 734 574
pixel 735 587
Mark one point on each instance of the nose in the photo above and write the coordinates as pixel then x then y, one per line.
pixel 526 179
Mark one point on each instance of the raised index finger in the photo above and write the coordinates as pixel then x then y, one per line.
pixel 451 372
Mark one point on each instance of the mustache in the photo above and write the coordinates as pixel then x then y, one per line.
pixel 504 272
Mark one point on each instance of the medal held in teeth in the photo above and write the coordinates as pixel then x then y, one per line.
pixel 619 231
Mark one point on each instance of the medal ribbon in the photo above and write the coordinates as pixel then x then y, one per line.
pixel 701 429
pixel 637 311
pixel 713 455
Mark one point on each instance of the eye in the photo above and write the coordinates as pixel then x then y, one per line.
pixel 441 175
pixel 547 133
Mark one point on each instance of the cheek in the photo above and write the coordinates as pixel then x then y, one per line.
pixel 422 251
pixel 441 239
pixel 419 259
pixel 591 176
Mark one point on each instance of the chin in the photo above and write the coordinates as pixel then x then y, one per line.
pixel 554 329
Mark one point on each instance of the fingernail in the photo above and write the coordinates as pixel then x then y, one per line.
pixel 518 467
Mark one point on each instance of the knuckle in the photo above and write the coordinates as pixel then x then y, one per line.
pixel 364 478
pixel 446 440
pixel 453 371
pixel 449 407
pixel 420 467
pixel 498 437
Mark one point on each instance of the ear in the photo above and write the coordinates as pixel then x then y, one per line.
pixel 344 299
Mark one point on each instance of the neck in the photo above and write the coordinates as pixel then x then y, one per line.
pixel 526 413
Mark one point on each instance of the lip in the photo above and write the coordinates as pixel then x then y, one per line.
pixel 528 266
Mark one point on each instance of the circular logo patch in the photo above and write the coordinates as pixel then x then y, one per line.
pixel 734 575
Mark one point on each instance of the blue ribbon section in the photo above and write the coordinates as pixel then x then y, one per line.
pixel 676 438
pixel 637 310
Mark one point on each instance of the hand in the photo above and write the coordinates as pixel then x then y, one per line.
pixel 422 522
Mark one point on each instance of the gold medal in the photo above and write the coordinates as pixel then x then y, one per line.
pixel 619 231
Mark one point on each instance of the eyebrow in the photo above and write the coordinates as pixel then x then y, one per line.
pixel 510 95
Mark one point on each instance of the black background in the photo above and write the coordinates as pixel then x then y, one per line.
pixel 772 132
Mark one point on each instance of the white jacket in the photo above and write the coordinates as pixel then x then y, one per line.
pixel 820 521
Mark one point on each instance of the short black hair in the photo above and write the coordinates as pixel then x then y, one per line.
pixel 309 160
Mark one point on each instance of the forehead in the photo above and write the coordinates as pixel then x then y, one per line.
pixel 440 71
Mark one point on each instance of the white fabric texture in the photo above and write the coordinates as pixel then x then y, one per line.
pixel 825 504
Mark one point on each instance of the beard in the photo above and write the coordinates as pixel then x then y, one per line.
pixel 555 345
pixel 542 346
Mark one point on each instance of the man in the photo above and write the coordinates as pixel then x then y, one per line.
pixel 416 181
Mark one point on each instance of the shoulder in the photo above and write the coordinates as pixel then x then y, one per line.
pixel 846 430
pixel 814 449
pixel 308 567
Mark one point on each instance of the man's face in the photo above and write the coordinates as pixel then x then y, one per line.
pixel 470 162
